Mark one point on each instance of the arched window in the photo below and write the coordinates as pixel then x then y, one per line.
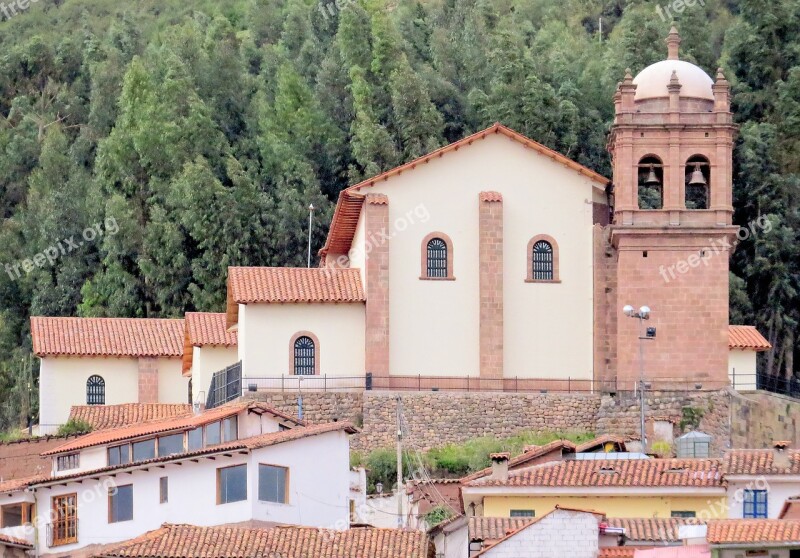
pixel 95 390
pixel 542 260
pixel 651 183
pixel 697 179
pixel 305 356
pixel 437 257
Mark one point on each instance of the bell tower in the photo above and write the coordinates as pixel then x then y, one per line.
pixel 671 146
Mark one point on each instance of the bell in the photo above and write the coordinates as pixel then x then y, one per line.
pixel 697 178
pixel 652 179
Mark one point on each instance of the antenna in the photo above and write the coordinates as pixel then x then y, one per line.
pixel 310 224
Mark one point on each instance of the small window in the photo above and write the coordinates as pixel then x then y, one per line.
pixel 67 462
pixel 755 504
pixel 213 434
pixel 119 455
pixel 232 484
pixel 15 515
pixel 437 258
pixel 272 485
pixel 230 432
pixel 95 390
pixel 120 503
pixel 146 449
pixel 163 490
pixel 304 356
pixel 169 445
pixel 542 261
pixel 194 439
pixel 683 514
pixel 523 513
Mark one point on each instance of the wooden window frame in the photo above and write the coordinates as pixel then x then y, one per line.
pixel 113 492
pixel 317 353
pixel 72 518
pixel 72 460
pixel 219 484
pixel 285 484
pixel 556 257
pixel 27 514
pixel 423 275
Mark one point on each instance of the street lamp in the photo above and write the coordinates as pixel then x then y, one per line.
pixel 644 335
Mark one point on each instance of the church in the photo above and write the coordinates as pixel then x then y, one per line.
pixel 491 263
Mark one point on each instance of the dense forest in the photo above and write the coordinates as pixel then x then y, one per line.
pixel 145 146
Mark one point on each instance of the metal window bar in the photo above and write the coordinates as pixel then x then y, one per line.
pixel 542 261
pixel 304 355
pixel 437 258
pixel 95 390
pixel 226 385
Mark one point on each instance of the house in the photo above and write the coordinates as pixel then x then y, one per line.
pixel 106 361
pixel 208 347
pixel 100 417
pixel 776 538
pixel 638 487
pixel 190 541
pixel 242 462
pixel 761 481
pixel 744 342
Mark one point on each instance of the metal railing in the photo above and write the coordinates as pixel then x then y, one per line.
pixel 779 384
pixel 62 531
pixel 226 385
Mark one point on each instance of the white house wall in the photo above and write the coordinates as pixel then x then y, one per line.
pixel 434 325
pixel 205 361
pixel 778 490
pixel 266 331
pixel 173 386
pixel 742 369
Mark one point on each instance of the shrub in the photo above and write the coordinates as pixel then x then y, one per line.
pixel 74 426
pixel 437 515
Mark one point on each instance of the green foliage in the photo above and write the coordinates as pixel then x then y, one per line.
pixel 438 514
pixel 74 426
pixel 662 448
pixel 691 417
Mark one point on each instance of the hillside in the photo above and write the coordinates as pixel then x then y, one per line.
pixel 148 145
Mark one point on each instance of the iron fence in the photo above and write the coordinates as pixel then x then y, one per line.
pixel 226 385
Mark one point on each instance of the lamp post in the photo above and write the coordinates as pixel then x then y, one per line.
pixel 644 335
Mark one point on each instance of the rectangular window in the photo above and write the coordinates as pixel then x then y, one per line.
pixel 194 439
pixel 272 484
pixel 69 461
pixel 212 434
pixel 146 449
pixel 15 515
pixel 230 432
pixel 683 514
pixel 163 490
pixel 755 504
pixel 64 529
pixel 119 455
pixel 120 503
pixel 231 484
pixel 169 445
pixel 523 513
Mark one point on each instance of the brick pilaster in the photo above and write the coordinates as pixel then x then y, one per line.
pixel 605 310
pixel 376 220
pixel 490 217
pixel 148 380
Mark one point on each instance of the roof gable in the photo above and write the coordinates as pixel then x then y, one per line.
pixel 747 337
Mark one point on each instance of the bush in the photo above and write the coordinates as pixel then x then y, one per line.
pixel 437 515
pixel 74 426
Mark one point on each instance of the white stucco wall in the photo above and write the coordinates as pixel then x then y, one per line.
pixel 738 552
pixel 266 331
pixel 779 488
pixel 205 361
pixel 173 386
pixel 434 325
pixel 453 543
pixel 742 369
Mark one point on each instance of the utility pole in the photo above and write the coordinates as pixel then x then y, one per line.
pixel 399 493
pixel 310 224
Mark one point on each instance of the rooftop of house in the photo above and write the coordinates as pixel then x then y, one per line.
pixel 107 337
pixel 747 337
pixel 102 417
pixel 492 529
pixel 743 531
pixel 790 508
pixel 651 529
pixel 189 541
pixel 6 540
pixel 762 462
pixel 208 328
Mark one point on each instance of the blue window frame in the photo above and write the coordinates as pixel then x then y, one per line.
pixel 755 504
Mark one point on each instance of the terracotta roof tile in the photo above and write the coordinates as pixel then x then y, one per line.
pixel 377 199
pixel 119 337
pixel 101 437
pixel 617 552
pixel 188 541
pixel 651 529
pixel 733 531
pixel 127 414
pixel 746 337
pixel 760 462
pixel 705 473
pixel 344 223
pixel 5 539
pixel 492 529
pixel 208 328
pixel 490 197
pixel 531 453
pixel 13 485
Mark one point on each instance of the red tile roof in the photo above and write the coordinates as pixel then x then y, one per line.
pixel 651 529
pixel 700 473
pixel 188 541
pixel 345 217
pixel 735 531
pixel 127 414
pixel 492 529
pixel 13 541
pixel 600 443
pixel 490 196
pixel 790 508
pixel 115 337
pixel 760 462
pixel 530 454
pixel 746 337
pixel 101 437
pixel 14 485
pixel 617 552
pixel 291 284
pixel 205 329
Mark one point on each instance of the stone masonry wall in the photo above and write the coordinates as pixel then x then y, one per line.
pixel 760 418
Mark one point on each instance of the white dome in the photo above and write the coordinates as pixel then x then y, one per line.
pixel 652 81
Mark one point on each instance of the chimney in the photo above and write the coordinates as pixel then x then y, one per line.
pixel 500 465
pixel 781 459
